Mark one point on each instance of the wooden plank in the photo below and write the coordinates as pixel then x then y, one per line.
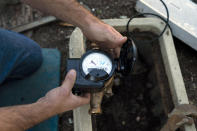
pixel 82 119
pixel 34 24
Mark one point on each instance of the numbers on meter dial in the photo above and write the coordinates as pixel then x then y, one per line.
pixel 96 61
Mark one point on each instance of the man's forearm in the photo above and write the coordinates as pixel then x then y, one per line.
pixel 67 10
pixel 72 12
pixel 17 118
pixel 57 100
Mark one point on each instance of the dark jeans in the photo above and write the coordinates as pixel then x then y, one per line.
pixel 19 56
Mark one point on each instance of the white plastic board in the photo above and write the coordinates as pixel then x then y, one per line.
pixel 183 17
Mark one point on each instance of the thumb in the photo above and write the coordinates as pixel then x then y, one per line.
pixel 69 80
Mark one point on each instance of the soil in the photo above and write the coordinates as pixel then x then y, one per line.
pixel 188 60
pixel 131 107
pixel 135 105
pixel 56 37
pixel 137 101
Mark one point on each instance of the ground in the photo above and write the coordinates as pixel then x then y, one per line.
pixel 131 107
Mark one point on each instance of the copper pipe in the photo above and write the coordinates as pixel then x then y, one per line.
pixel 96 98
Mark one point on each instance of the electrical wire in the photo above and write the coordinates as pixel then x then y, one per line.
pixel 129 34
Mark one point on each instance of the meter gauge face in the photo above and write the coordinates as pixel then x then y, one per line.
pixel 99 61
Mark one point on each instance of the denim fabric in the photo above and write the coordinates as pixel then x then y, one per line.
pixel 19 56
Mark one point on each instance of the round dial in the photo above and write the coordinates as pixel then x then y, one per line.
pixel 96 60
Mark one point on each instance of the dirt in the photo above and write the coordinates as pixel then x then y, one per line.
pixel 56 37
pixel 133 107
pixel 137 101
pixel 110 8
pixel 188 60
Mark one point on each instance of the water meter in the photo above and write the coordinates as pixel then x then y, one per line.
pixel 96 67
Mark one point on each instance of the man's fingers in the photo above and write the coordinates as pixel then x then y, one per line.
pixel 116 38
pixel 69 80
pixel 79 100
pixel 117 52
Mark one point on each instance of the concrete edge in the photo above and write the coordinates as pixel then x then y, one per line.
pixel 168 51
pixel 77 47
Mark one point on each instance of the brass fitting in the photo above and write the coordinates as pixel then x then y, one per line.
pixel 96 98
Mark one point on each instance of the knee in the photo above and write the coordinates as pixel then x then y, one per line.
pixel 33 58
pixel 28 55
pixel 36 58
pixel 19 55
pixel 30 60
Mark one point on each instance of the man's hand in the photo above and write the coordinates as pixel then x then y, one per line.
pixel 104 35
pixel 93 28
pixel 62 99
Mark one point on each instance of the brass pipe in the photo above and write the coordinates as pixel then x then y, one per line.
pixel 96 98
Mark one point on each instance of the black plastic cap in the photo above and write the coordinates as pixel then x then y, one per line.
pixel 128 57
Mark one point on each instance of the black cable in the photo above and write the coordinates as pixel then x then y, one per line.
pixel 145 14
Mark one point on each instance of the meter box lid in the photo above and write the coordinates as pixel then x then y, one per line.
pixel 128 56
